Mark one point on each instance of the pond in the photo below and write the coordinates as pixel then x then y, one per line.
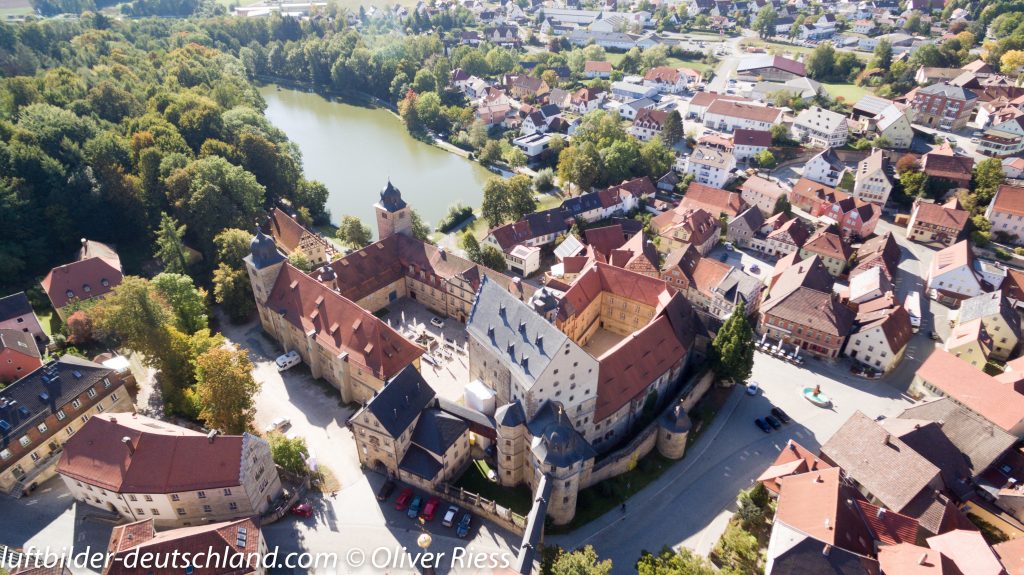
pixel 353 150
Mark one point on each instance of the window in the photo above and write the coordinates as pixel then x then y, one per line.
pixel 139 511
pixel 154 511
pixel 61 415
pixel 207 509
pixel 69 430
pixel 76 404
pixel 113 396
pixel 181 511
pixel 201 494
pixel 24 441
pixel 34 456
pixel 175 497
pixel 106 382
pixel 42 428
pixel 99 407
pixel 132 498
pixel 148 497
pixel 227 491
pixel 92 393
pixel 5 454
pixel 233 506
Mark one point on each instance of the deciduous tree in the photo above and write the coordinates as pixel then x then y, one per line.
pixel 231 289
pixel 289 454
pixel 226 390
pixel 581 562
pixel 187 302
pixel 354 233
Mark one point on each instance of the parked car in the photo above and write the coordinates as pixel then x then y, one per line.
pixel 464 524
pixel 755 269
pixel 975 140
pixel 414 507
pixel 723 258
pixel 385 490
pixel 449 516
pixel 780 415
pixel 437 322
pixel 302 510
pixel 762 425
pixel 430 509
pixel 772 422
pixel 404 498
pixel 752 388
pixel 278 424
pixel 728 246
pixel 288 360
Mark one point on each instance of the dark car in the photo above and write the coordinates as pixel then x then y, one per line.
pixel 404 498
pixel 772 422
pixel 464 524
pixel 780 415
pixel 760 423
pixel 385 490
pixel 724 257
pixel 414 507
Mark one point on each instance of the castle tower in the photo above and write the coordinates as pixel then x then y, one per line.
pixel 513 463
pixel 394 216
pixel 673 429
pixel 263 264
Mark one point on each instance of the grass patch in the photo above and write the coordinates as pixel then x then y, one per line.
pixel 603 497
pixel 326 481
pixel 474 480
pixel 782 48
pixel 616 60
pixel 849 92
pixel 50 321
pixel 382 312
pixel 705 411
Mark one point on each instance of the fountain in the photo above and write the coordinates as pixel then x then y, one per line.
pixel 815 396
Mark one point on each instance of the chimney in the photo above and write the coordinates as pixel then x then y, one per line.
pixel 881 513
pixel 396 413
pixel 828 523
pixel 127 441
pixel 209 436
pixel 923 560
pixel 818 479
pixel 826 550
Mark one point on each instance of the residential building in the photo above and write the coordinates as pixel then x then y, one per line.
pixel 749 143
pixel 686 226
pixel 825 168
pixel 713 200
pixel 768 67
pixel 762 193
pixel 943 163
pixel 944 375
pixel 526 86
pixel 787 239
pixel 798 88
pixel 968 550
pixel 239 545
pixel 820 127
pixel 728 115
pixel 523 260
pixel 743 228
pixel 894 124
pixel 834 252
pixel 813 197
pixel 1001 321
pixel 597 69
pixel 19 355
pixel 955 275
pixel 16 313
pixel 95 272
pixel 1006 212
pixel 1006 137
pixel 793 459
pixel 880 338
pixel 710 166
pixel 971 342
pixel 43 409
pixel 648 123
pixel 874 179
pixel 942 106
pixel 586 100
pixel 937 223
pixel 709 284
pixel 666 79
pixel 144 468
pixel 632 91
pixel 867 288
pixel 701 101
pixel 880 251
pixel 631 108
pixel 800 309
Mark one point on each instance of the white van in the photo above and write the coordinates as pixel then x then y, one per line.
pixel 913 306
pixel 288 360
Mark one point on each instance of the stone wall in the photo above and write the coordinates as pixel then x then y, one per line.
pixel 482 507
pixel 701 384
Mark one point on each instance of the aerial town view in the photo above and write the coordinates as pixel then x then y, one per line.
pixel 551 287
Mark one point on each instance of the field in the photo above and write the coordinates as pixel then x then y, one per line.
pixel 784 49
pixel 848 92
pixel 10 8
pixel 616 59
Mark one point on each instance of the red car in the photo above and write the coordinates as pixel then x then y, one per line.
pixel 430 509
pixel 404 498
pixel 302 510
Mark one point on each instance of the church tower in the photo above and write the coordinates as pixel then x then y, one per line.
pixel 263 264
pixel 394 216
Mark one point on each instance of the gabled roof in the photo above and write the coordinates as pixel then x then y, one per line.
pixel 888 527
pixel 821 505
pixel 895 326
pixel 1011 555
pixel 713 200
pixel 997 402
pixel 234 543
pixel 792 459
pixel 95 273
pixel 744 111
pixel 941 215
pixel 820 119
pixel 605 239
pixel 909 559
pixel 1009 199
pixel 953 257
pixel 811 556
pixel 796 273
pixel 750 63
pixel 19 341
pixel 163 458
pixel 988 306
pixel 436 431
pixel 338 324
pixel 743 137
pixel 886 466
pixel 401 399
pixel 948 91
pixel 969 551
pixel 827 243
pixel 880 250
pixel 15 305
pixel 751 217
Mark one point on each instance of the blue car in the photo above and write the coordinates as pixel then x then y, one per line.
pixel 762 425
pixel 414 507
pixel 463 528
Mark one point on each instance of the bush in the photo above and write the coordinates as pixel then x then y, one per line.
pixel 1018 251
pixel 457 214
pixel 1002 254
pixel 545 180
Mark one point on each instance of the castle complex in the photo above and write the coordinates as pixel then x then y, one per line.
pixel 574 373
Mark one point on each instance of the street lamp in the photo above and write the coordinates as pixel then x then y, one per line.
pixel 424 541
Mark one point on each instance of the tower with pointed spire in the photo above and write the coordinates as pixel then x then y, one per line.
pixel 394 216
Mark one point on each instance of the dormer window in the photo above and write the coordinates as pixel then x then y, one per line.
pixel 86 288
pixel 104 282
pixel 70 294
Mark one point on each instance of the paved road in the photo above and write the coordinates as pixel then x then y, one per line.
pixel 726 67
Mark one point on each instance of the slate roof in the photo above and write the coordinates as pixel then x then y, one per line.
pixel 559 443
pixel 886 466
pixel 510 414
pixel 436 431
pixel 15 305
pixel 420 463
pixel 391 198
pixel 523 340
pixel 166 458
pixel 813 557
pixel 401 399
pixel 19 341
pixel 61 390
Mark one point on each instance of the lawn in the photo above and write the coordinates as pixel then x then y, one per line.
pixel 782 49
pixel 616 60
pixel 849 92
pixel 49 321
pixel 474 480
pixel 15 8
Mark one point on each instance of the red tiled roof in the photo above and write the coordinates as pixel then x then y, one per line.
pixel 1009 199
pixel 166 458
pixel 969 551
pixel 708 273
pixel 706 98
pixel 637 187
pixel 999 403
pixel 946 166
pixel 889 527
pixel 811 191
pixel 286 231
pixel 76 277
pixel 340 325
pixel 745 111
pixel 662 74
pixel 827 243
pixel 623 283
pixel 796 459
pixel 940 215
pixel 742 137
pixel 909 559
pixel 597 66
pixel 819 504
pixel 1011 555
pixel 605 239
pixel 711 199
pixel 218 539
